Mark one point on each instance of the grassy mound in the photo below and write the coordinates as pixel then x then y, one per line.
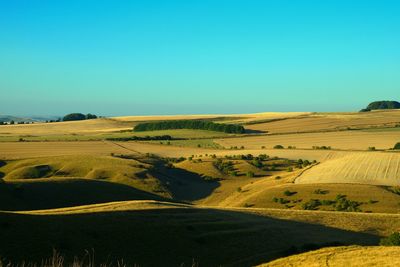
pixel 122 171
pixel 62 192
pixel 209 237
pixel 343 256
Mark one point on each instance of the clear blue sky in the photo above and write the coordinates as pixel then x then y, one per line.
pixel 216 56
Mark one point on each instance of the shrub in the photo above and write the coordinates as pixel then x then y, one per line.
pixel 289 193
pixel 397 146
pixel 250 174
pixel 290 169
pixel 371 148
pixel 278 147
pixel 224 166
pixel 321 192
pixel 313 204
pixel 343 204
pixel 391 240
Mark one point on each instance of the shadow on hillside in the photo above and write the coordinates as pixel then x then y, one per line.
pixel 184 185
pixel 167 237
pixel 65 193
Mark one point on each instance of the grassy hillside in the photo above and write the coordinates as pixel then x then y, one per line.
pixel 196 233
pixel 342 256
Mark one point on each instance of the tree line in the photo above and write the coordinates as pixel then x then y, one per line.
pixel 189 124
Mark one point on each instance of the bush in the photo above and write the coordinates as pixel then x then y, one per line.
pixel 392 240
pixel 321 192
pixel 289 193
pixel 250 174
pixel 225 167
pixel 278 147
pixel 371 148
pixel 397 146
pixel 313 204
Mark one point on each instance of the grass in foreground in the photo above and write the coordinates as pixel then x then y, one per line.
pixel 177 235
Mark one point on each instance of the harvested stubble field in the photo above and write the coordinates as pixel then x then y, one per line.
pixel 374 168
pixel 330 121
pixel 13 150
pixel 344 140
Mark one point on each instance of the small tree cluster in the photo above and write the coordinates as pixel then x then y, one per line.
pixel 78 117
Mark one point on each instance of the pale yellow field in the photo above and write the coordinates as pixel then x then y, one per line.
pixel 230 117
pixel 342 256
pixel 376 168
pixel 346 140
pixel 17 150
pixel 330 121
pixel 69 127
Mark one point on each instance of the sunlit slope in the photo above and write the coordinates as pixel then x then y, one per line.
pixel 342 256
pixel 372 168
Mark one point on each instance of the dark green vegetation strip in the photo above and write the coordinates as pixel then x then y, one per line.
pixel 189 124
pixel 144 138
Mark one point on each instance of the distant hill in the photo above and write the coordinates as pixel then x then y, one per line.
pixel 384 105
pixel 8 118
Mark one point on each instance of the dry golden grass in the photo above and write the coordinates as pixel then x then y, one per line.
pixel 69 127
pixel 342 256
pixel 346 140
pixel 374 168
pixel 260 194
pixel 109 207
pixel 17 150
pixel 330 121
pixel 238 118
pixel 212 237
